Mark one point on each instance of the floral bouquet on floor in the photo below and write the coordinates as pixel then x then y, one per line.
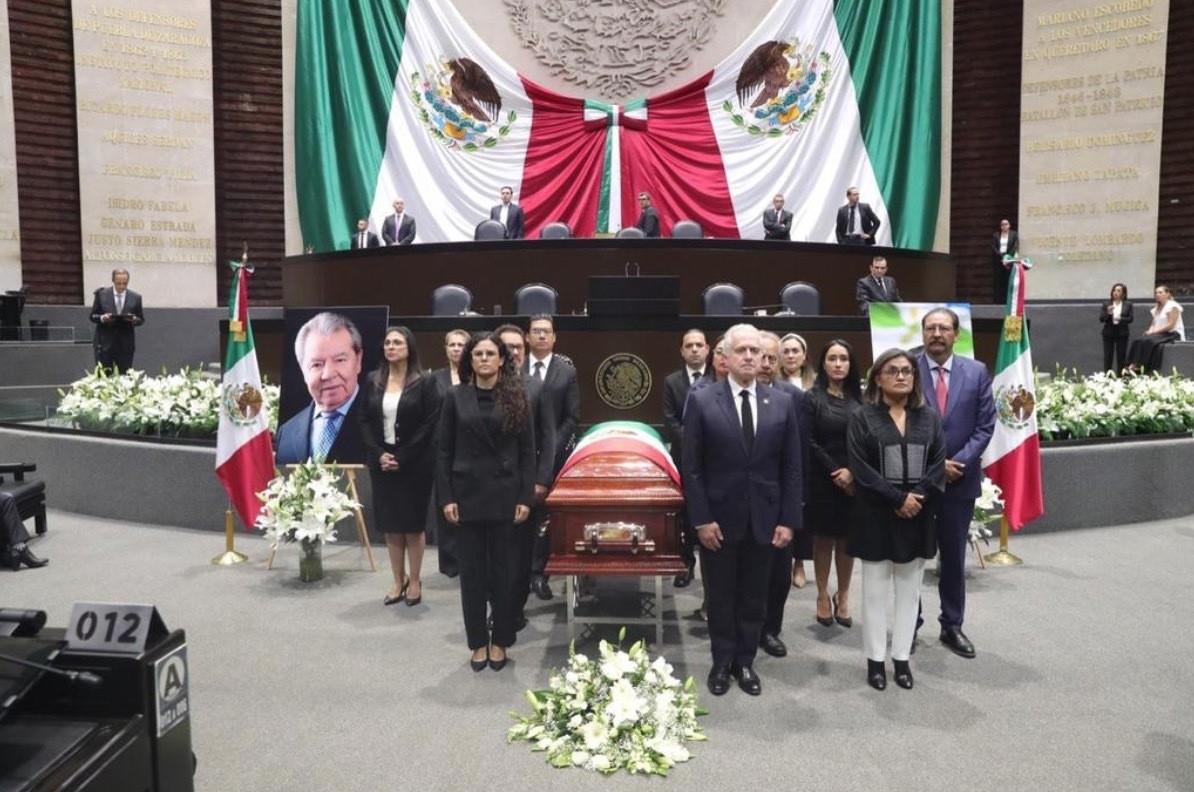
pixel 305 507
pixel 987 508
pixel 620 711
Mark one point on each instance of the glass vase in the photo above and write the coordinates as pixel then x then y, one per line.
pixel 311 561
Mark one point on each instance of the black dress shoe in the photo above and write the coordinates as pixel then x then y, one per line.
pixel 903 674
pixel 845 621
pixel 957 642
pixel 498 665
pixel 683 579
pixel 413 601
pixel 772 645
pixel 479 665
pixel 748 680
pixel 392 600
pixel 25 556
pixel 876 674
pixel 719 680
pixel 541 588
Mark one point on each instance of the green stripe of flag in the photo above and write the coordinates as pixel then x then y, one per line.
pixel 237 349
pixel 345 65
pixel 894 47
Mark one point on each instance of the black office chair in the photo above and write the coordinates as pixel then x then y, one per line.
pixel 451 299
pixel 556 230
pixel 631 232
pixel 801 298
pixel 687 229
pixel 723 299
pixel 535 298
pixel 488 230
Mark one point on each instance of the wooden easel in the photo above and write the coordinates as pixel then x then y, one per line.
pixel 362 533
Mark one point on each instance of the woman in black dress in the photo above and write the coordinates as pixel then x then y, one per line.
pixel 399 415
pixel 1116 316
pixel 835 394
pixel 485 483
pixel 897 455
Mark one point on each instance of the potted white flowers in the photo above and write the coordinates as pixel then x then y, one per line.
pixel 304 507
pixel 619 711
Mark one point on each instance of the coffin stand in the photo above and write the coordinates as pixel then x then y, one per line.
pixel 614 513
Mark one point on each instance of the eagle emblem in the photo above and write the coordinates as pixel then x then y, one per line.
pixel 460 105
pixel 623 381
pixel 780 88
pixel 1014 405
pixel 242 403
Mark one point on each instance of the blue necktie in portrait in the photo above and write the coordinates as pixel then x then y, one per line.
pixel 331 422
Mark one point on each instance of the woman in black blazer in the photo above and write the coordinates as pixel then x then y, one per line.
pixel 399 414
pixel 485 480
pixel 1116 316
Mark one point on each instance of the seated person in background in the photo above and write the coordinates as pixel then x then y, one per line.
pixel 648 219
pixel 363 237
pixel 876 287
pixel 1145 352
pixel 777 224
pixel 13 537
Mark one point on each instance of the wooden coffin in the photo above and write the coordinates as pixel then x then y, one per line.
pixel 615 512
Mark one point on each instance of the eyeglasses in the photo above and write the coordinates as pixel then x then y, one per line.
pixel 896 373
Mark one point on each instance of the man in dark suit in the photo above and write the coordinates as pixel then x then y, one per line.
pixel 1005 241
pixel 14 550
pixel 777 224
pixel 363 237
pixel 514 340
pixel 508 214
pixel 648 218
pixel 780 583
pixel 328 348
pixel 742 485
pixel 856 222
pixel 876 287
pixel 561 391
pixel 694 349
pixel 398 228
pixel 959 389
pixel 116 310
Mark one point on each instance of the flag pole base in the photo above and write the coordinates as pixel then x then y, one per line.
pixel 230 557
pixel 1002 558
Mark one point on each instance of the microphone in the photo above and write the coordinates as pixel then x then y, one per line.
pixel 82 677
pixel 21 623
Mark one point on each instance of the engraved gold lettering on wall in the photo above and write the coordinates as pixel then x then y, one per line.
pixel 1092 94
pixel 146 166
pixel 10 236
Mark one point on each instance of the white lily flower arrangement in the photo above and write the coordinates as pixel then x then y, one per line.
pixel 987 508
pixel 1108 405
pixel 185 404
pixel 305 505
pixel 619 711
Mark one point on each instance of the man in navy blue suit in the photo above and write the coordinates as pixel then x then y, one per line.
pixel 742 484
pixel 328 348
pixel 959 389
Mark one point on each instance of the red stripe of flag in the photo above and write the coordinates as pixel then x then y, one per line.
pixel 247 472
pixel 1018 474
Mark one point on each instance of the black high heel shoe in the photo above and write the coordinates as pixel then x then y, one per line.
pixel 876 674
pixel 479 665
pixel 498 665
pixel 825 621
pixel 903 674
pixel 413 601
pixel 845 621
pixel 394 600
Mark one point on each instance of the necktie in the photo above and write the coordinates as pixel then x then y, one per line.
pixel 942 390
pixel 748 422
pixel 327 437
pixel 882 289
pixel 120 303
pixel 361 243
pixel 539 370
pixel 850 227
pixel 696 375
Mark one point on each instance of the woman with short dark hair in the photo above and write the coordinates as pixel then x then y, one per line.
pixel 485 479
pixel 399 414
pixel 897 457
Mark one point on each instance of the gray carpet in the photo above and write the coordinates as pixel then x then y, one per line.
pixel 1083 679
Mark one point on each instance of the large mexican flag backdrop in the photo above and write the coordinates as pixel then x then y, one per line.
pixel 401 98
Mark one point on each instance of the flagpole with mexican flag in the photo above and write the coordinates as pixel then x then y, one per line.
pixel 244 450
pixel 1013 458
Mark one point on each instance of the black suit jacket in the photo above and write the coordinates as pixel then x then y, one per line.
pixel 648 222
pixel 740 491
pixel 777 227
pixel 405 234
pixel 1013 244
pixel 481 468
pixel 545 433
pixel 371 240
pixel 118 336
pixel 866 222
pixel 1111 330
pixel 292 444
pixel 562 394
pixel 514 220
pixel 417 420
pixel 675 394
pixel 867 291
